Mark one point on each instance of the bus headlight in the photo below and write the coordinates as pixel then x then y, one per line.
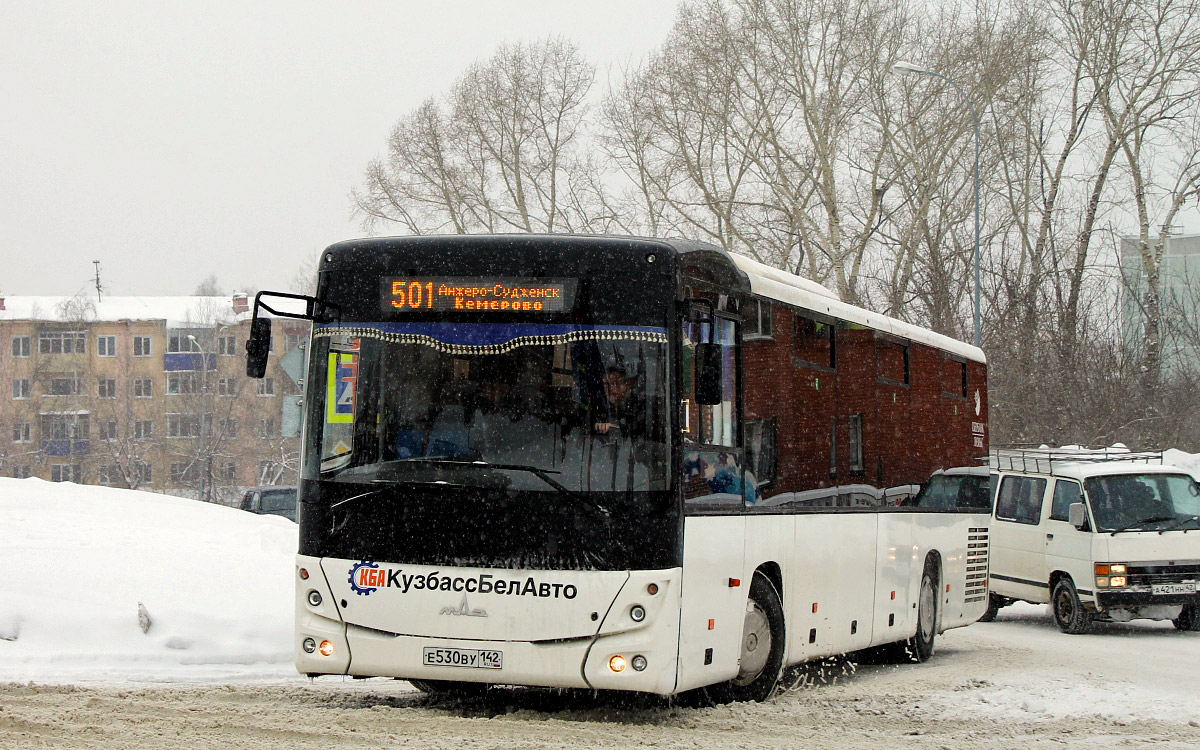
pixel 309 645
pixel 314 598
pixel 638 663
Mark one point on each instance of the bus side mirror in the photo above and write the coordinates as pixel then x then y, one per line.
pixel 257 347
pixel 1077 516
pixel 708 374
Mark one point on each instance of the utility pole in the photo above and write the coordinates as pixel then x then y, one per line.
pixel 96 263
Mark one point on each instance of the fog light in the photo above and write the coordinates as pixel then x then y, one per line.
pixel 1116 581
pixel 617 663
pixel 309 645
pixel 638 663
pixel 314 598
pixel 304 574
pixel 326 648
pixel 638 613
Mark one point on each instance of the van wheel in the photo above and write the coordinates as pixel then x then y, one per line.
pixel 1068 610
pixel 1189 617
pixel 994 605
pixel 760 662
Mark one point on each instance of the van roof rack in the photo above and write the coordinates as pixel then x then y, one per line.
pixel 1041 459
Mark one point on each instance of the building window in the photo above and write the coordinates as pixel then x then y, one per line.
pixel 183 472
pixel 758 319
pixel 891 361
pixel 108 429
pixel 833 446
pixel 816 342
pixel 143 387
pixel 143 429
pixel 266 427
pixel 106 346
pixel 183 384
pixel 855 444
pixel 62 342
pixel 178 342
pixel 65 427
pixel 21 388
pixel 228 471
pixel 65 473
pixel 68 386
pixel 226 387
pixel 227 346
pixel 293 341
pixel 954 377
pixel 107 388
pixel 141 346
pixel 21 346
pixel 109 474
pixel 22 433
pixel 22 472
pixel 183 425
pixel 266 387
pixel 229 427
pixel 143 472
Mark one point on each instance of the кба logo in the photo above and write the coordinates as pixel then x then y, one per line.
pixel 366 576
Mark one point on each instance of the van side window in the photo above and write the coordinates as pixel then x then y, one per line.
pixel 1020 499
pixel 1065 493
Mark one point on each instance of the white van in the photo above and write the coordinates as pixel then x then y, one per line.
pixel 1109 536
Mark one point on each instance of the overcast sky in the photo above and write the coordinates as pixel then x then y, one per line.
pixel 171 140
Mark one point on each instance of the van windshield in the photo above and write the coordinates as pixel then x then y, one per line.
pixel 1148 502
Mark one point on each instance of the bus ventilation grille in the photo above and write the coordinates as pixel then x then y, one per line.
pixel 977 565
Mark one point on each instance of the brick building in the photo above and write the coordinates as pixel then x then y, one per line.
pixel 146 392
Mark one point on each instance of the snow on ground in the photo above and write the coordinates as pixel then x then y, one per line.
pixel 216 583
pixel 78 563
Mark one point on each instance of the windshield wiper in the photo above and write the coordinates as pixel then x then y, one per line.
pixel 1143 522
pixel 1180 522
pixel 542 474
pixel 388 484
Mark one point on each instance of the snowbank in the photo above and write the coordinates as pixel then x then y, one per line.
pixel 83 569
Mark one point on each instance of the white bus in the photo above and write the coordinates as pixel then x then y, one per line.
pixel 619 464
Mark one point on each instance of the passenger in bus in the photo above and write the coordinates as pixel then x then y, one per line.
pixel 623 409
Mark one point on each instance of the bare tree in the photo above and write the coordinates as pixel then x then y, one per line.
pixel 502 152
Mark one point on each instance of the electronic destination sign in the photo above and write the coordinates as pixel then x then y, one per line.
pixel 419 294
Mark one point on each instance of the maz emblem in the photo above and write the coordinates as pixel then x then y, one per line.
pixel 463 610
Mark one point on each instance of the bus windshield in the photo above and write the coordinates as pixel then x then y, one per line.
pixel 1143 502
pixel 530 407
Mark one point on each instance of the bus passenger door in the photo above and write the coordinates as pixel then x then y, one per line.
pixel 713 610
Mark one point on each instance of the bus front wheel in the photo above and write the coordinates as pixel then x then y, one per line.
pixel 760 662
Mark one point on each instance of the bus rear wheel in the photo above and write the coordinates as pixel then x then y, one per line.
pixel 760 662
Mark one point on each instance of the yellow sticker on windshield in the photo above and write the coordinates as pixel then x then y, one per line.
pixel 343 381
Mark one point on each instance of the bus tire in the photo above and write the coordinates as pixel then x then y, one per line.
pixel 920 646
pixel 1069 613
pixel 760 662
pixel 1189 617
pixel 993 607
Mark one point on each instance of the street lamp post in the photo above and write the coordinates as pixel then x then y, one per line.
pixel 908 67
pixel 204 495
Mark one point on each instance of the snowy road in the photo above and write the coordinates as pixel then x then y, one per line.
pixel 994 685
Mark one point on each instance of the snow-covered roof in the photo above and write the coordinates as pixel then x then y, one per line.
pixel 178 312
pixel 780 285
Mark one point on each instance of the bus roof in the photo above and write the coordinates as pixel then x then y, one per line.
pixel 772 283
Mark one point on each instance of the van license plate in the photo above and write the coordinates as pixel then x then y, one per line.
pixel 1173 588
pixel 462 657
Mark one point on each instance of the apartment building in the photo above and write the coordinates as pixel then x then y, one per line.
pixel 147 393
